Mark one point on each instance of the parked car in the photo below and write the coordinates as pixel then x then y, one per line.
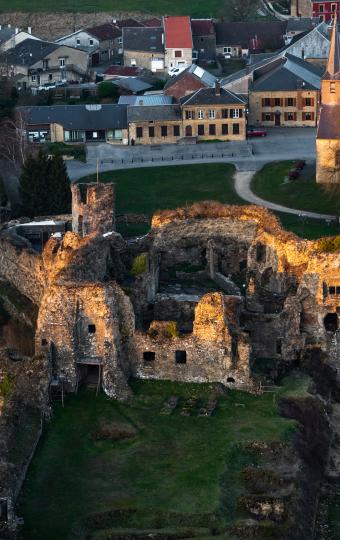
pixel 256 132
pixel 175 71
pixel 47 86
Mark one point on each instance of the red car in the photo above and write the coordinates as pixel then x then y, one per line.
pixel 256 132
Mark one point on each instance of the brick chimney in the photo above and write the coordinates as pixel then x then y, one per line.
pixel 217 88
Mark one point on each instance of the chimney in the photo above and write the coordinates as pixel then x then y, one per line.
pixel 17 31
pixel 217 88
pixel 29 29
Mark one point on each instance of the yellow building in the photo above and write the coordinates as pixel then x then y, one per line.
pixel 287 95
pixel 214 113
pixel 328 136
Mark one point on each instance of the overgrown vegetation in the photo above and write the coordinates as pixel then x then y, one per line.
pixel 176 472
pixel 139 264
pixel 5 386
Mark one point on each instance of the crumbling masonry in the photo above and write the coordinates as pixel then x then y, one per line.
pixel 218 289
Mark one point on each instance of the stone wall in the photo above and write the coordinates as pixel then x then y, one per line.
pixel 93 208
pixel 327 161
pixel 216 351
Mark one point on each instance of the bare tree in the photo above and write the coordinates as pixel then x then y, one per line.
pixel 13 141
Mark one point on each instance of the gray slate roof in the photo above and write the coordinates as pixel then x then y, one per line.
pixel 301 24
pixel 153 113
pixel 146 100
pixel 292 74
pixel 85 117
pixel 6 34
pixel 143 39
pixel 207 96
pixel 30 51
pixel 132 84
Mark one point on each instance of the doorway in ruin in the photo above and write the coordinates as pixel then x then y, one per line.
pixel 89 376
pixel 331 322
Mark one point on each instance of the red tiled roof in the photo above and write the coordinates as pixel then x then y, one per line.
pixel 122 71
pixel 202 27
pixel 177 32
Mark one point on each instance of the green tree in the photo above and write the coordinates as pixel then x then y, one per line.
pixel 107 90
pixel 44 186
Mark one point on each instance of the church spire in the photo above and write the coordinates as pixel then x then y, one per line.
pixel 333 65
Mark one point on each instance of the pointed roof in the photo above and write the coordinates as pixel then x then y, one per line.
pixel 333 65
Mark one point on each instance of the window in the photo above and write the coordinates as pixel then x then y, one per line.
pixel 133 62
pixel 61 62
pixel 178 54
pixel 50 76
pixel 331 289
pixel 33 78
pixel 164 131
pixel 78 41
pixel 224 113
pixel 189 115
pixel 331 322
pixel 236 113
pixel 267 117
pixel 211 113
pixel 266 102
pixel 149 356
pixel 290 116
pixel 151 131
pixel 176 131
pixel 92 328
pixel 332 87
pixel 139 132
pixel 230 380
pixel 212 129
pixel 290 102
pixel 236 129
pixel 227 50
pixel 224 129
pixel 45 64
pixel 200 115
pixel 308 102
pixel 44 342
pixel 333 7
pixel 260 253
pixel 278 102
pixel 309 116
pixel 200 129
pixel 181 357
pixel 321 8
pixel 91 41
pixel 278 346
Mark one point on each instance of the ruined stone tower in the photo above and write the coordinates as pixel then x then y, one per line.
pixel 93 208
pixel 328 137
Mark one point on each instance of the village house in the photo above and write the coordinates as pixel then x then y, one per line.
pixel 76 123
pixel 144 48
pixel 178 42
pixel 11 37
pixel 34 63
pixel 191 79
pixel 214 113
pixel 239 39
pixel 154 124
pixel 326 11
pixel 328 136
pixel 204 39
pixel 287 95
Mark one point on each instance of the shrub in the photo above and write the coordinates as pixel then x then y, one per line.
pixel 139 265
pixel 330 244
pixel 163 329
pixel 107 90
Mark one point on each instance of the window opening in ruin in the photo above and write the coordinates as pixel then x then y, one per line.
pixel 279 346
pixel 234 346
pixel 337 290
pixel 231 379
pixel 92 328
pixel 44 341
pixel 149 356
pixel 260 253
pixel 331 289
pixel 331 322
pixel 242 265
pixel 181 357
pixel 80 225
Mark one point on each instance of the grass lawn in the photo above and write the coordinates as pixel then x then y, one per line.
pixel 197 8
pixel 303 193
pixel 176 472
pixel 146 190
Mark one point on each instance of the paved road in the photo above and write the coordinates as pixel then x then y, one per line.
pixel 242 188
pixel 280 144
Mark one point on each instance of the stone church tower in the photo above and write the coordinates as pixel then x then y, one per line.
pixel 328 136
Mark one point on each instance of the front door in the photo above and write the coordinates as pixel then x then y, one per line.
pixel 278 119
pixel 188 131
